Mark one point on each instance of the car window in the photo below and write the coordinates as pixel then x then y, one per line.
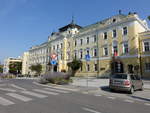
pixel 120 76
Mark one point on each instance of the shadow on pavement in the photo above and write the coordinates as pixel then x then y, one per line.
pixel 141 98
pixel 107 89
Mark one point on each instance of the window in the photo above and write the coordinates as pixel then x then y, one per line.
pixel 57 47
pixel 105 35
pixel 75 43
pixel 146 46
pixel 53 47
pixel 114 33
pixel 75 54
pixel 115 50
pixel 125 48
pixel 125 32
pixel 88 67
pixel 61 56
pixel 61 45
pixel 105 51
pixel 87 51
pixel 95 52
pixel 81 41
pixel 81 54
pixel 87 40
pixel 95 67
pixel 95 39
pixel 147 66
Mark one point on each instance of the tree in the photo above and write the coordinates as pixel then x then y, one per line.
pixel 1 68
pixel 15 67
pixel 148 18
pixel 36 68
pixel 75 65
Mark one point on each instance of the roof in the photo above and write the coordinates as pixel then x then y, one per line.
pixel 120 16
pixel 71 25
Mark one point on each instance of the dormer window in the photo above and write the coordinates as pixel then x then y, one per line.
pixel 114 20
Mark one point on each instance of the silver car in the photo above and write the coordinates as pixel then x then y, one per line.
pixel 125 82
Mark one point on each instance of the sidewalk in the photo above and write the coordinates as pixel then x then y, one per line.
pixel 97 83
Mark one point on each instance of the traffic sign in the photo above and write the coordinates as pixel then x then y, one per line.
pixel 53 62
pixel 87 57
pixel 53 56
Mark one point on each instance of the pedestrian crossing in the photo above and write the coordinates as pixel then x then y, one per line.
pixel 28 95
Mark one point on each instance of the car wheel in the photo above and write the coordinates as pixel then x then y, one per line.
pixel 142 88
pixel 112 90
pixel 131 90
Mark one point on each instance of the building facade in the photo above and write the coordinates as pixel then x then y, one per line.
pixel 60 44
pixel 38 55
pixel 114 39
pixel 120 42
pixel 9 61
pixel 144 55
pixel 25 67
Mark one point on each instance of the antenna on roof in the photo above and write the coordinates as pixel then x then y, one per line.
pixel 120 12
pixel 72 21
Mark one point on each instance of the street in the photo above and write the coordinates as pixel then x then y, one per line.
pixel 26 96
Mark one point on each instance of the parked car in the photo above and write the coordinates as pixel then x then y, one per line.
pixel 125 82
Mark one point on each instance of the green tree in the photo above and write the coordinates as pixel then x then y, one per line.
pixel 36 68
pixel 15 67
pixel 75 65
pixel 148 18
pixel 1 68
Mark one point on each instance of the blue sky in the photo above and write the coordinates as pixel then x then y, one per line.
pixel 24 23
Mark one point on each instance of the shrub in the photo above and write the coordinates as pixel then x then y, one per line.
pixel 56 78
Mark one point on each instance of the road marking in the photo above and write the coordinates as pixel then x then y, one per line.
pixel 46 92
pixel 111 97
pixel 97 95
pixel 5 102
pixel 8 89
pixel 90 110
pixel 147 104
pixel 18 87
pixel 60 91
pixel 130 101
pixel 19 97
pixel 34 94
pixel 85 92
pixel 56 87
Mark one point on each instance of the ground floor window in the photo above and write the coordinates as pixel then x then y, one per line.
pixel 88 67
pixel 147 66
pixel 95 67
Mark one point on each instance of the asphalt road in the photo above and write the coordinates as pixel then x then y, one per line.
pixel 24 96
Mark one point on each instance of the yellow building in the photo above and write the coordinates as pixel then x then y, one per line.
pixel 117 35
pixel 144 53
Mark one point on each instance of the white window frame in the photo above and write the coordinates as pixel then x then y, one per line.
pixel 113 33
pixel 104 35
pixel 123 30
pixel 104 51
pixel 144 45
pixel 124 47
pixel 94 52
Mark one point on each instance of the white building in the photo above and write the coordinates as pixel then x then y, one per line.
pixel 38 55
pixel 8 61
pixel 25 63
